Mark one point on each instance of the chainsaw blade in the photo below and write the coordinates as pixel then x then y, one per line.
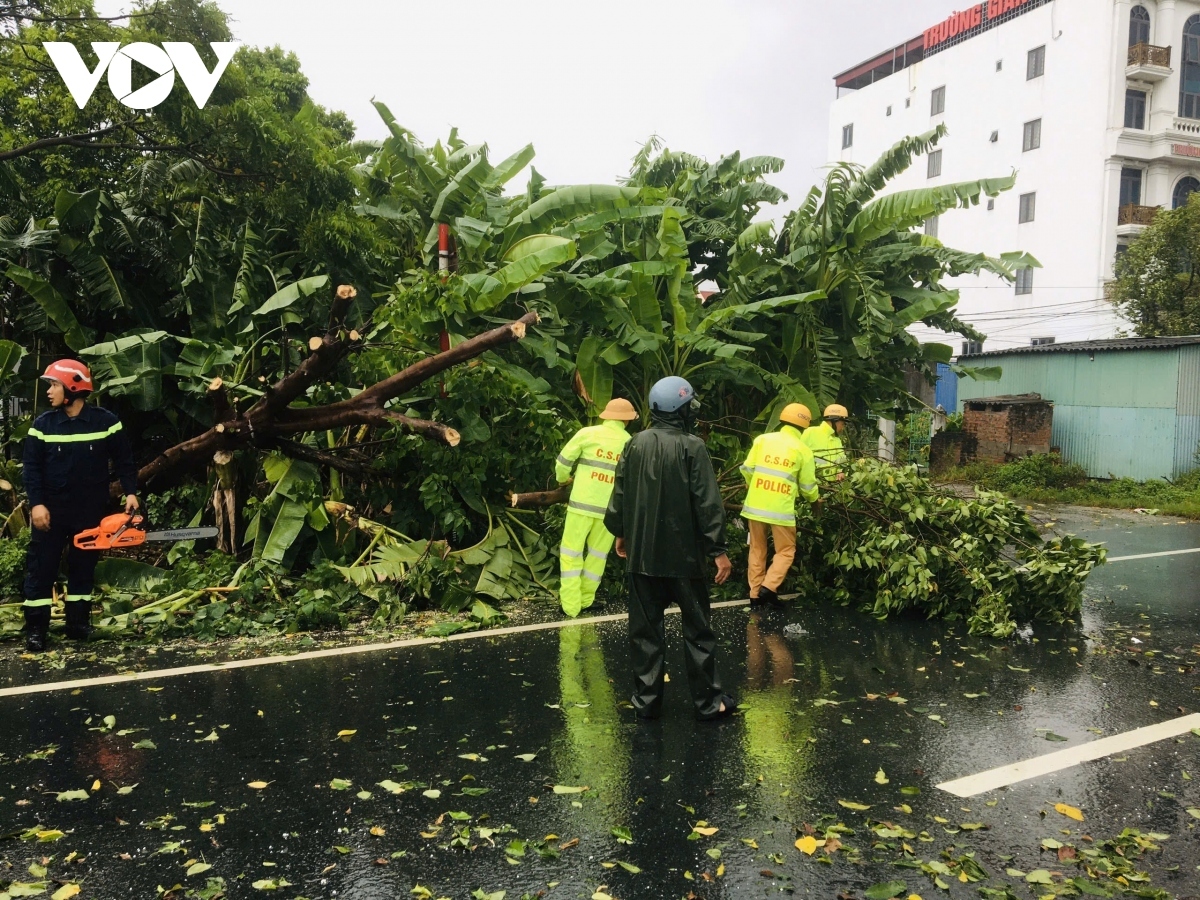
pixel 182 534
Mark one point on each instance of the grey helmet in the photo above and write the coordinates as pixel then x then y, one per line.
pixel 671 394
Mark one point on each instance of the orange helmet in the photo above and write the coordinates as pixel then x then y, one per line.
pixel 74 376
pixel 796 414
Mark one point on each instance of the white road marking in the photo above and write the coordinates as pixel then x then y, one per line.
pixel 1153 555
pixel 1072 756
pixel 155 674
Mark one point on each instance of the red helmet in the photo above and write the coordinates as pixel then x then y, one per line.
pixel 74 376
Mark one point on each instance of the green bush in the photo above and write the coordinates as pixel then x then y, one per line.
pixel 12 567
pixel 1032 473
pixel 1046 479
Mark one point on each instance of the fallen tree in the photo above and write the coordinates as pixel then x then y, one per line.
pixel 271 421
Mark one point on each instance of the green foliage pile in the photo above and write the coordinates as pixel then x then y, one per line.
pixel 892 543
pixel 213 595
pixel 1047 479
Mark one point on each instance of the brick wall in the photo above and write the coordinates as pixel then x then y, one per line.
pixel 1007 430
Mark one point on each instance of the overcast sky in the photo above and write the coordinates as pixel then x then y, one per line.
pixel 587 81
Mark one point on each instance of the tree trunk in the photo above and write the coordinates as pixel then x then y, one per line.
pixel 224 501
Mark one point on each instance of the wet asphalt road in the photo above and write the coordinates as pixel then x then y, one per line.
pixel 493 725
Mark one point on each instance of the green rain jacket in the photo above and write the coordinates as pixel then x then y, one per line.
pixel 666 503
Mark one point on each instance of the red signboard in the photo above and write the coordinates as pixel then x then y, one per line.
pixel 1185 150
pixel 969 20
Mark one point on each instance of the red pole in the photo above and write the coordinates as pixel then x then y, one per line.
pixel 444 271
pixel 444 252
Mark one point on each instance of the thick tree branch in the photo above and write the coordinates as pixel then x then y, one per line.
pixel 326 355
pixel 305 453
pixel 75 140
pixel 541 499
pixel 393 387
pixel 271 421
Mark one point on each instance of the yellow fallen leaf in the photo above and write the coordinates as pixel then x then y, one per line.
pixel 962 876
pixel 707 832
pixel 257 785
pixel 914 897
pixel 808 845
pixel 65 892
pixel 95 785
pixel 206 826
pixel 721 870
pixel 1069 811
pixel 347 732
pixel 378 830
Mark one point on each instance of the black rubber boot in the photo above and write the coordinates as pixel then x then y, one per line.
pixel 79 620
pixel 767 597
pixel 37 628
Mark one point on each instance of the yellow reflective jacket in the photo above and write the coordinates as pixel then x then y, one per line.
pixel 827 448
pixel 778 467
pixel 593 452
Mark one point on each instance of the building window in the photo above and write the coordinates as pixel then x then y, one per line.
pixel 1183 190
pixel 1041 342
pixel 1028 208
pixel 889 110
pixel 1035 64
pixel 1135 109
pixel 907 102
pixel 1024 281
pixel 1122 249
pixel 935 164
pixel 1189 80
pixel 1139 26
pixel 1131 187
pixel 1033 136
pixel 999 65
pixel 991 205
pixel 937 101
pixel 931 226
pixel 970 348
pixel 847 136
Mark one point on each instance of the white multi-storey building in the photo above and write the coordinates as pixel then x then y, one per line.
pixel 1094 103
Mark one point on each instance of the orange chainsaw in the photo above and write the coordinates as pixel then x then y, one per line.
pixel 121 530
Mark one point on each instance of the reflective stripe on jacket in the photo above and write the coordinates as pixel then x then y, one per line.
pixel 593 453
pixel 827 449
pixel 778 467
pixel 65 454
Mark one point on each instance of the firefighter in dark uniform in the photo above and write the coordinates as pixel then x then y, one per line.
pixel 66 473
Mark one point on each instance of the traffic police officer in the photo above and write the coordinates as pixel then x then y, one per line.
pixel 778 467
pixel 66 473
pixel 825 441
pixel 594 453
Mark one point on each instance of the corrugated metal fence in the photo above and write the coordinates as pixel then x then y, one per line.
pixel 1118 413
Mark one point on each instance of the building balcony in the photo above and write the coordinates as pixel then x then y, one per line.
pixel 1187 127
pixel 1148 63
pixel 1133 219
